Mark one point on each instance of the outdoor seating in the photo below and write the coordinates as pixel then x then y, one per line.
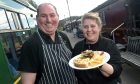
pixel 132 53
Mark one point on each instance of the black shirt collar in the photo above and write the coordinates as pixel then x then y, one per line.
pixel 48 39
pixel 96 42
pixel 92 46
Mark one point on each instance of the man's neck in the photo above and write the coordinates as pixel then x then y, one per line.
pixel 53 37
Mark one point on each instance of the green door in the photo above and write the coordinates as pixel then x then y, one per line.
pixel 5 74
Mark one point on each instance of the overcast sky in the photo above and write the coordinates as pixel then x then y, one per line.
pixel 77 7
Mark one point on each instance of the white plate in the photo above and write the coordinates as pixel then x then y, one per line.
pixel 71 63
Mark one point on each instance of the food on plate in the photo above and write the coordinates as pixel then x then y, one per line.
pixel 89 58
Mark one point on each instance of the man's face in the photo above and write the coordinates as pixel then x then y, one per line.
pixel 47 19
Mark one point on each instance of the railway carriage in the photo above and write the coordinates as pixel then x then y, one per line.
pixel 17 21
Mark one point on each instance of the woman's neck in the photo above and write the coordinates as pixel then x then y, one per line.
pixel 91 42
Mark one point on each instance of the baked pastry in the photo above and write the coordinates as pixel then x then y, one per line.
pixel 89 58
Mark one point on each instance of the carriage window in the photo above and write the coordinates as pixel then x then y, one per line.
pixel 32 21
pixel 103 18
pixel 4 42
pixel 7 42
pixel 3 20
pixel 24 21
pixel 137 18
pixel 20 38
pixel 16 20
pixel 11 21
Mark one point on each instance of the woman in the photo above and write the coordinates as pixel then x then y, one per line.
pixel 109 72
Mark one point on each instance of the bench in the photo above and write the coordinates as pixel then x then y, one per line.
pixel 132 53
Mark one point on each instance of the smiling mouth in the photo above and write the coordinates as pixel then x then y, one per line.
pixel 90 34
pixel 48 25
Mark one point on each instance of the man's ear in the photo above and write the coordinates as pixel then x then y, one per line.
pixel 36 17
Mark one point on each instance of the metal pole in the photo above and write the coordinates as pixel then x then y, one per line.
pixel 69 13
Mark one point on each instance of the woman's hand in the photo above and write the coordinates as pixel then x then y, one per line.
pixel 106 70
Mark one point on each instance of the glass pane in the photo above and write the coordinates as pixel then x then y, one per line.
pixel 24 21
pixel 11 21
pixel 32 21
pixel 16 20
pixel 3 20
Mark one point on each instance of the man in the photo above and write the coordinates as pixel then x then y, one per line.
pixel 45 55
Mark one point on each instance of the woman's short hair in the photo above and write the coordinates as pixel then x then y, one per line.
pixel 93 16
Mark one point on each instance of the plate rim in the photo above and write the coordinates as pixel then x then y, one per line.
pixel 107 58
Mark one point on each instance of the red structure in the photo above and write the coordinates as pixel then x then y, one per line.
pixel 117 12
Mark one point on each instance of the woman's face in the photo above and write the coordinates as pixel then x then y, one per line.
pixel 91 30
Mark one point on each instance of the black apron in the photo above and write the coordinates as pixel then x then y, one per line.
pixel 55 68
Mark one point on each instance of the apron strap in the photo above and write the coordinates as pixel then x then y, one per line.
pixel 40 37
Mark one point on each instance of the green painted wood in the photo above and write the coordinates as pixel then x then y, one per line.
pixel 5 74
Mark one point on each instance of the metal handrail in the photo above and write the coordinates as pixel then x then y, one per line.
pixel 112 32
pixel 117 28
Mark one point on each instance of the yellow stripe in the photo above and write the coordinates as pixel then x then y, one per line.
pixel 17 81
